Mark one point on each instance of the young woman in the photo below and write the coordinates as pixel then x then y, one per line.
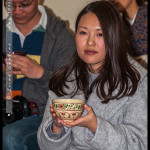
pixel 113 85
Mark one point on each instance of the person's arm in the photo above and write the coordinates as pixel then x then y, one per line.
pixel 61 53
pixel 53 135
pixel 56 52
pixel 44 140
pixel 130 133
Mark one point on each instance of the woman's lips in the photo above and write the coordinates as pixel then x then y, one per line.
pixel 90 52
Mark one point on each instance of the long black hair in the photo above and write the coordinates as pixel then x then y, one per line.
pixel 116 72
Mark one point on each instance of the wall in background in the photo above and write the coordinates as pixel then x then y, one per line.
pixel 64 9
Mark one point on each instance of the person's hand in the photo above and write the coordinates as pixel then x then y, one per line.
pixel 57 123
pixel 27 67
pixel 89 120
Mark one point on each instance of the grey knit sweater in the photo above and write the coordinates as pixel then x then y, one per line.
pixel 121 124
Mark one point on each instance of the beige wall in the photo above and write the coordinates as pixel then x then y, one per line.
pixel 65 9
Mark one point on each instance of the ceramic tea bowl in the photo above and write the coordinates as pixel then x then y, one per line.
pixel 68 109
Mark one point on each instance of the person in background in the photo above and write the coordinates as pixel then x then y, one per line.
pixel 48 45
pixel 135 11
pixel 112 83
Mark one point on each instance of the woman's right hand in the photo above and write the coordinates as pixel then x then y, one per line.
pixel 57 122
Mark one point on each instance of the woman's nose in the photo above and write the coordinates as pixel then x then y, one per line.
pixel 91 40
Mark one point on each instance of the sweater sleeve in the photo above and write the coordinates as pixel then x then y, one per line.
pixel 57 50
pixel 62 51
pixel 128 134
pixel 54 135
pixel 44 140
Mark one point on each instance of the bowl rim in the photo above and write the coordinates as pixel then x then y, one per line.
pixel 68 100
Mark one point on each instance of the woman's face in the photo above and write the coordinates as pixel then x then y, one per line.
pixel 90 42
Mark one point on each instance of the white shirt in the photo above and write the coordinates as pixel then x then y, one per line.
pixel 132 21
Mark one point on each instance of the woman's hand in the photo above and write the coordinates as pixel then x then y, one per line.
pixel 26 66
pixel 89 121
pixel 57 123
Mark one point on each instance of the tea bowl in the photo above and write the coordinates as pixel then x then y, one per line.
pixel 68 109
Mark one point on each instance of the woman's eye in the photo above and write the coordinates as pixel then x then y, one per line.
pixel 99 34
pixel 82 32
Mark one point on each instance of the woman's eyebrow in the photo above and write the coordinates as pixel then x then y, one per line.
pixel 83 27
pixel 98 29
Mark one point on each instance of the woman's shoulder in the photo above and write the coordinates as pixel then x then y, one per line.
pixel 142 71
pixel 70 85
pixel 141 17
pixel 142 11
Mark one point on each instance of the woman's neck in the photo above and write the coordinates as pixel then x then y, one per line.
pixel 95 68
pixel 132 10
pixel 94 71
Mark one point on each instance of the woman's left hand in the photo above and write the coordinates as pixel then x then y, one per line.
pixel 89 120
